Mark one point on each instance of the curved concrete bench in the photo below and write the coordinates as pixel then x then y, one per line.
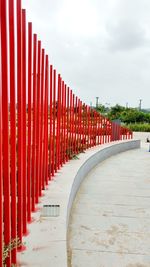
pixel 47 242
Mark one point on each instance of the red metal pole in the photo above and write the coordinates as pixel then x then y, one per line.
pixel 5 115
pixel 105 136
pixel 99 122
pixel 86 127
pixel 1 156
pixel 76 102
pixel 12 127
pixel 80 125
pixel 91 122
pixel 34 120
pixel 65 134
pixel 29 121
pixel 1 181
pixel 91 127
pixel 62 125
pixel 70 128
pixel 41 181
pixel 24 121
pixel 58 123
pixel 50 122
pixel 20 123
pixel 46 122
pixel 73 135
pixel 38 124
pixel 67 137
pixel 54 167
pixel 95 130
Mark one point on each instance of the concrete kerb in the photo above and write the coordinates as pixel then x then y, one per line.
pixel 47 242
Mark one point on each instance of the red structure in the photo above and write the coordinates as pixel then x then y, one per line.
pixel 42 125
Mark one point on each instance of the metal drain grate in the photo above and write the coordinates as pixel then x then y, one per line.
pixel 50 211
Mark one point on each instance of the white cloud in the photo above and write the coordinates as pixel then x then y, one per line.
pixel 126 35
pixel 101 47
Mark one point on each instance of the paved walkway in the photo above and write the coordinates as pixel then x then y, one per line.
pixel 110 222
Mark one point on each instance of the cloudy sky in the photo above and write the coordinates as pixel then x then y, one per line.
pixel 100 47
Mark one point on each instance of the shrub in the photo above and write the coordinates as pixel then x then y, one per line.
pixel 139 127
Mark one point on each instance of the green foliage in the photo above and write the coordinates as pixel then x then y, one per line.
pixel 128 115
pixel 102 109
pixel 132 118
pixel 139 127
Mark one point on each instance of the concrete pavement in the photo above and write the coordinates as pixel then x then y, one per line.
pixel 110 221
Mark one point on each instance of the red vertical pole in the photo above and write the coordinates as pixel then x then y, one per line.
pixel 80 126
pixel 41 181
pixel 96 120
pixel 67 130
pixel 91 130
pixel 1 172
pixel 65 134
pixel 72 123
pixel 1 181
pixel 62 125
pixel 94 128
pixel 38 124
pixel 34 120
pixel 76 148
pixel 97 129
pixel 46 121
pixel 50 122
pixel 84 116
pixel 29 121
pixel 12 126
pixel 91 121
pixel 105 136
pixel 102 126
pixel 58 122
pixel 70 134
pixel 88 125
pixel 100 129
pixel 86 128
pixel 6 174
pixel 54 167
pixel 24 120
pixel 20 119
pixel 57 115
pixel 102 123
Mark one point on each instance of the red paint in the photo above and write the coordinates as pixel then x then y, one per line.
pixel 42 125
pixel 5 119
pixel 12 128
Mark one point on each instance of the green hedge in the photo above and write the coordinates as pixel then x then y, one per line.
pixel 139 127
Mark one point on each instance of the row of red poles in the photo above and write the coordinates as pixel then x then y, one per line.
pixel 42 125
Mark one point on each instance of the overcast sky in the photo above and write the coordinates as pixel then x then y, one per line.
pixel 100 47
